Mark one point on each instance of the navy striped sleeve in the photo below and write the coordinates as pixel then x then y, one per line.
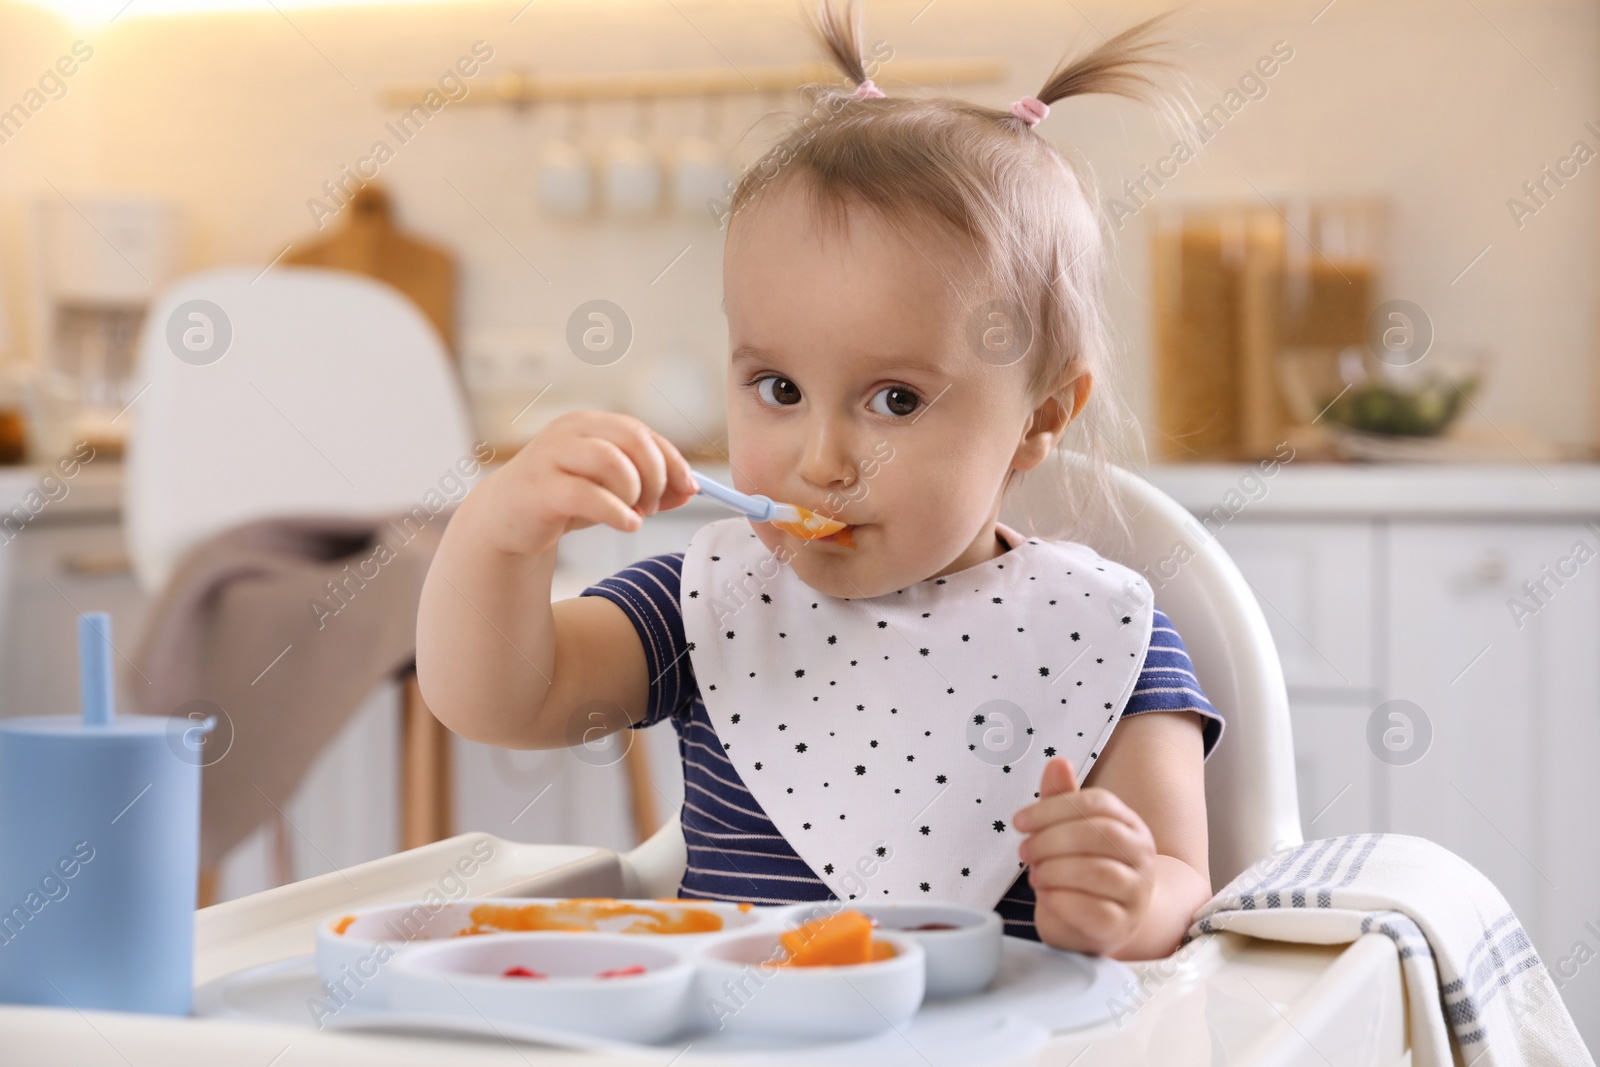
pixel 647 592
pixel 1167 682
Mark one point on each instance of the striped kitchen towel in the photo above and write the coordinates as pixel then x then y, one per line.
pixel 1476 990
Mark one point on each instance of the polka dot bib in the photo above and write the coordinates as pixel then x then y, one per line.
pixel 891 738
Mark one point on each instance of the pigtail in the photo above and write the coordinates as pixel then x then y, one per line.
pixel 1133 64
pixel 839 29
pixel 1119 66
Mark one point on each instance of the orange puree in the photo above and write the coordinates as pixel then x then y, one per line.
pixel 842 938
pixel 741 905
pixel 813 526
pixel 343 924
pixel 587 913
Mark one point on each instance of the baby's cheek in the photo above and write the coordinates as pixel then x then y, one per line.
pixel 767 535
pixel 933 532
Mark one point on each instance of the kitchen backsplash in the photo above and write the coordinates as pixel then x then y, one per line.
pixel 240 118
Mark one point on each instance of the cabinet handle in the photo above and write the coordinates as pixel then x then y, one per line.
pixel 97 564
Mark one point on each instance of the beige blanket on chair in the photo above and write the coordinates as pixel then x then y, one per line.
pixel 285 625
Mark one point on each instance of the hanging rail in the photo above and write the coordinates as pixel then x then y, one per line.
pixel 517 89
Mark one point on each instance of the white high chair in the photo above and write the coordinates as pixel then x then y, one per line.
pixel 333 395
pixel 1251 804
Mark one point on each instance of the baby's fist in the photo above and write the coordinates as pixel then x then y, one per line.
pixel 1092 863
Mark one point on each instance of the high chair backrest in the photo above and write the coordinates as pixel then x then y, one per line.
pixel 296 391
pixel 1251 804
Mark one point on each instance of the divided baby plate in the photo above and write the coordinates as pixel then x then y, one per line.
pixel 643 970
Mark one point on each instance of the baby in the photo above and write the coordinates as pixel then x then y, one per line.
pixel 929 705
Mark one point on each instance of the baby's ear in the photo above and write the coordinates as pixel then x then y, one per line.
pixel 1046 425
pixel 1079 388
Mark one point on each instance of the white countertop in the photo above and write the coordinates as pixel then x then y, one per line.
pixel 1499 490
pixel 94 492
pixel 1304 489
pixel 1508 490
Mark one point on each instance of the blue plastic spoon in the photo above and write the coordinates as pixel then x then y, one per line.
pixel 805 523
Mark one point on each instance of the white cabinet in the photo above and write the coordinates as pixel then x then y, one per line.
pixel 1334 772
pixel 1510 781
pixel 1495 753
pixel 50 572
pixel 1316 587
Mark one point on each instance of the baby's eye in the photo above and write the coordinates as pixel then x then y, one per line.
pixel 777 391
pixel 894 400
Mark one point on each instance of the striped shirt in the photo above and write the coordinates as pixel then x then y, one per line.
pixel 735 852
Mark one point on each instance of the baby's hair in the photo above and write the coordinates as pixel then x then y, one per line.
pixel 987 174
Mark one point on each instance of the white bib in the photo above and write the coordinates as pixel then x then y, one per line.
pixel 897 734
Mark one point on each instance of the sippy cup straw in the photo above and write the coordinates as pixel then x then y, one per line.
pixel 98 693
pixel 797 520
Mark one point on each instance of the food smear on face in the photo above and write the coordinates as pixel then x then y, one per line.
pixel 343 924
pixel 590 914
pixel 833 940
pixel 813 527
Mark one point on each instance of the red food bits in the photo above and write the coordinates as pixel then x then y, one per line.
pixel 615 972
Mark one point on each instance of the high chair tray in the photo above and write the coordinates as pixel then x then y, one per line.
pixel 1254 1002
pixel 1037 990
pixel 925 979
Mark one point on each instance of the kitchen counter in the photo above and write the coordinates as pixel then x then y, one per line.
pixel 94 493
pixel 1411 490
pixel 1513 490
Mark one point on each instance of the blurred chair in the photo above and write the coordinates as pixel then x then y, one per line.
pixel 297 391
pixel 1251 804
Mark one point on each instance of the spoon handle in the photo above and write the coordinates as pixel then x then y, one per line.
pixel 759 508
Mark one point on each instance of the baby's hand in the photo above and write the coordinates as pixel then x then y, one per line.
pixel 1091 863
pixel 585 467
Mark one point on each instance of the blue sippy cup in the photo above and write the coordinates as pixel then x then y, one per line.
pixel 99 851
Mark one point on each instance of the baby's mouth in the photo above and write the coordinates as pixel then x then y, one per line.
pixel 841 537
pixel 811 525
pixel 813 530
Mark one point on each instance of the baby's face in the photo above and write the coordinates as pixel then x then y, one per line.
pixel 853 390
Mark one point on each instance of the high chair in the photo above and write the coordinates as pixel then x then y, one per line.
pixel 333 395
pixel 1251 804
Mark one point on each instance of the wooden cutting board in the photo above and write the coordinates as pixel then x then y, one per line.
pixel 369 243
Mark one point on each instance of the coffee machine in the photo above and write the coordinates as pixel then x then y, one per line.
pixel 98 261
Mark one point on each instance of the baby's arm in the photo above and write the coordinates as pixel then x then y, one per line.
pixel 1120 866
pixel 497 662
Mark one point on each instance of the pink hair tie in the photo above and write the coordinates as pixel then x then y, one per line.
pixel 867 91
pixel 1030 109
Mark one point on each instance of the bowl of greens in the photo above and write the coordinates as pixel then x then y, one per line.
pixel 1421 400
